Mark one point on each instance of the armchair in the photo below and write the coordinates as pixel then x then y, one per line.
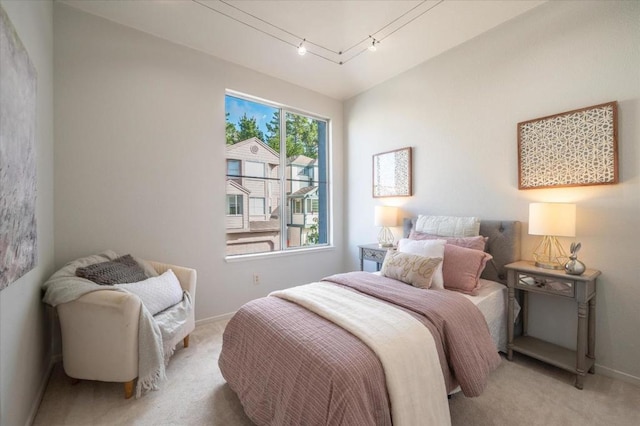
pixel 100 332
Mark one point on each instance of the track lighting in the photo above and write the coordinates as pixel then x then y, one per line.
pixel 373 47
pixel 301 49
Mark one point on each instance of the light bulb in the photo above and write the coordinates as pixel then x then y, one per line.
pixel 373 47
pixel 301 49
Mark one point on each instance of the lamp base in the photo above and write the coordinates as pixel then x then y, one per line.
pixel 549 254
pixel 549 265
pixel 385 237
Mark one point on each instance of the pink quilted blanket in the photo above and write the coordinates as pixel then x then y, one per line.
pixel 289 366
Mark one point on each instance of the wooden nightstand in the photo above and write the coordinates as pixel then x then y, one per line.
pixel 526 277
pixel 374 253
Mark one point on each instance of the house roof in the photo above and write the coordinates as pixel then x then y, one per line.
pixel 301 160
pixel 304 192
pixel 240 144
pixel 237 186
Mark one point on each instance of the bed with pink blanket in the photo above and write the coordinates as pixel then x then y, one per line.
pixel 290 365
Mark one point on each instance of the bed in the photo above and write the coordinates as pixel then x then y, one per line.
pixel 291 366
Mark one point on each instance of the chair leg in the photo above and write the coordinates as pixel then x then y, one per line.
pixel 186 341
pixel 128 389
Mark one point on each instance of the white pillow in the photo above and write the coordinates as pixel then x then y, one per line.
pixel 157 293
pixel 448 226
pixel 426 248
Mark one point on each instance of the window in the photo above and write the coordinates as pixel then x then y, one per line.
pixel 279 158
pixel 256 206
pixel 255 169
pixel 234 205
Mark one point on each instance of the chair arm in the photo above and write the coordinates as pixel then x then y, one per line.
pixel 100 336
pixel 186 276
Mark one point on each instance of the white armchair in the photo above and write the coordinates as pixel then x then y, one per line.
pixel 100 332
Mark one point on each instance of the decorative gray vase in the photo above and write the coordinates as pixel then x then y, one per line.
pixel 574 266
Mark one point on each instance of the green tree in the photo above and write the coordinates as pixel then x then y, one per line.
pixel 231 131
pixel 302 135
pixel 248 128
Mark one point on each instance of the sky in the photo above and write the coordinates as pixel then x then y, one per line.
pixel 236 107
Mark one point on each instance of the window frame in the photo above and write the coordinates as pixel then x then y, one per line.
pixel 238 205
pixel 282 181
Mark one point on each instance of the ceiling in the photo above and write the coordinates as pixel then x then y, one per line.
pixel 415 32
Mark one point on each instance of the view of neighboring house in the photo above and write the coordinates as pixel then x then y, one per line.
pixel 302 199
pixel 253 199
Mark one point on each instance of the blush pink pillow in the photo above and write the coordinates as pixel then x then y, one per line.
pixel 476 243
pixel 462 267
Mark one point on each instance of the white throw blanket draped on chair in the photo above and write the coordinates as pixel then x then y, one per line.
pixel 405 347
pixel 156 335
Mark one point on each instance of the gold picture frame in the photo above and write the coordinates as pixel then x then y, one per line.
pixel 573 148
pixel 392 173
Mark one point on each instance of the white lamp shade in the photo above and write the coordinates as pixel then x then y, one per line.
pixel 386 216
pixel 554 219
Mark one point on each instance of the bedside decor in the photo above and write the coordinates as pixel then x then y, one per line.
pixel 18 81
pixel 551 220
pixel 573 148
pixel 574 266
pixel 392 173
pixel 386 216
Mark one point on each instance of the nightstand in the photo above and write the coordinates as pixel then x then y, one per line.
pixel 525 276
pixel 374 253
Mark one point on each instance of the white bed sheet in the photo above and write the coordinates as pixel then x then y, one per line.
pixel 492 302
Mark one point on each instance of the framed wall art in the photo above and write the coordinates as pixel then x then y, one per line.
pixel 573 148
pixel 18 248
pixel 392 173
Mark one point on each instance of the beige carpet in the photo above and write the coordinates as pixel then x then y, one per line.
pixel 522 392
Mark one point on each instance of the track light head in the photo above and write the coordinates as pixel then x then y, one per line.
pixel 373 47
pixel 301 49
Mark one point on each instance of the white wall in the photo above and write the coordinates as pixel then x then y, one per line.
pixel 140 157
pixel 24 324
pixel 460 110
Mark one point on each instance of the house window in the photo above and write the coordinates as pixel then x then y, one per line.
pixel 312 206
pixel 233 170
pixel 234 205
pixel 254 169
pixel 279 157
pixel 256 206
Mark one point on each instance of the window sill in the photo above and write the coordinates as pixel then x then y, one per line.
pixel 283 253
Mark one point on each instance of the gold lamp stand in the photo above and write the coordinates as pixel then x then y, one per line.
pixel 549 254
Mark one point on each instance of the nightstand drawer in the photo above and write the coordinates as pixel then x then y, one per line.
pixel 373 254
pixel 537 283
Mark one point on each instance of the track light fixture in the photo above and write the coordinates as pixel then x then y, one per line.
pixel 231 11
pixel 373 47
pixel 301 49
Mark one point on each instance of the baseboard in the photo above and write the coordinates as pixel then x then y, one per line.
pixel 619 375
pixel 43 387
pixel 214 319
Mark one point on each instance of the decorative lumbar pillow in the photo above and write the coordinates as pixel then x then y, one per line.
pixel 448 226
pixel 157 293
pixel 427 248
pixel 462 268
pixel 410 268
pixel 476 243
pixel 123 269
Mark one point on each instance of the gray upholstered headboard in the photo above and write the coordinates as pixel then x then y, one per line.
pixel 503 245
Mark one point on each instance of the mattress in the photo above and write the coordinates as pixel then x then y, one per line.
pixel 491 300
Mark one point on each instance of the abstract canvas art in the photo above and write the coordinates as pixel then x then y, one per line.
pixel 17 156
pixel 392 173
pixel 573 148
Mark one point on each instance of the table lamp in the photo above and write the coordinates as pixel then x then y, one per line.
pixel 386 216
pixel 551 220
